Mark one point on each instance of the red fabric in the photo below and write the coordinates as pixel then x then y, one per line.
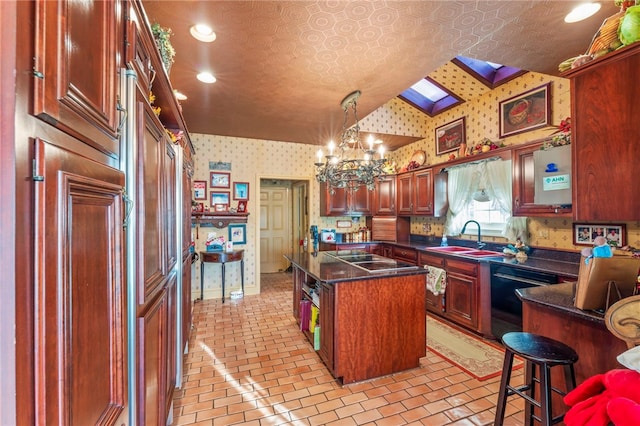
pixel 604 398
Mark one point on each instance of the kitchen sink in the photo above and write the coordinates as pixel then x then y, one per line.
pixel 465 251
pixel 451 249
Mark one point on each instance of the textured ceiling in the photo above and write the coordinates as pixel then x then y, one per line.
pixel 284 66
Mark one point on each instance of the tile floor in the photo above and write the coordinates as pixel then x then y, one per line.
pixel 249 364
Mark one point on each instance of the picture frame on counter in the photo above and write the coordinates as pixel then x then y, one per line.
pixel 242 207
pixel 450 136
pixel 241 191
pixel 197 208
pixel 584 234
pixel 220 207
pixel 238 233
pixel 343 224
pixel 525 112
pixel 218 198
pixel 199 190
pixel 219 179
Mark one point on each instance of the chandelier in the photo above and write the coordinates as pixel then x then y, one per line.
pixel 350 165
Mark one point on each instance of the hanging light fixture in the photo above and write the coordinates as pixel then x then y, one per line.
pixel 350 164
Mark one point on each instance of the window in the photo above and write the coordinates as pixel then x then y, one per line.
pixel 488 215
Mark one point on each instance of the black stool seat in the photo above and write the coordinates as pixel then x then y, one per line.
pixel 544 353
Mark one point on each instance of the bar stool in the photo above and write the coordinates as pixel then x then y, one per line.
pixel 544 353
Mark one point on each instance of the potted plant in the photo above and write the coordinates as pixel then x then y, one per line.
pixel 167 52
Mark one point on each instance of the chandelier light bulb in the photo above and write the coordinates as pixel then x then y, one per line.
pixel 381 152
pixel 319 156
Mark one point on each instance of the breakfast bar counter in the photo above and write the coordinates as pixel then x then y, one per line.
pixel 370 322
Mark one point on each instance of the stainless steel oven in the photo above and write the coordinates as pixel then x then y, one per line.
pixel 506 308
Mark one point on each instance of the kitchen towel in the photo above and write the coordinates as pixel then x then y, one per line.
pixel 436 280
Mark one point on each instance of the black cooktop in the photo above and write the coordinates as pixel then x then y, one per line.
pixel 371 262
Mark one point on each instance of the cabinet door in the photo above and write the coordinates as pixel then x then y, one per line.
pixel 360 201
pixel 298 280
pixel 435 303
pixel 404 197
pixel 170 331
pixel 76 69
pixel 151 247
pixel 423 192
pixel 460 300
pixel 605 155
pixel 169 210
pixel 333 204
pixel 152 362
pixel 138 48
pixel 326 324
pixel 79 291
pixel 385 197
pixel 523 186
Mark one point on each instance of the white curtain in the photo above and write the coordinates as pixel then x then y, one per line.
pixel 495 178
pixel 462 183
pixel 498 187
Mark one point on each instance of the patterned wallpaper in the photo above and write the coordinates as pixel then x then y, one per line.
pixel 255 159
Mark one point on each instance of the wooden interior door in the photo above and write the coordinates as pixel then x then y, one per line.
pixel 275 228
pixel 80 314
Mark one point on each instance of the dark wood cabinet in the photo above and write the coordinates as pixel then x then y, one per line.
pixel 344 202
pixel 76 69
pixel 385 197
pixel 434 303
pixel 415 193
pixel 79 290
pixel 326 324
pixel 405 254
pixel 461 293
pixel 523 185
pixel 605 158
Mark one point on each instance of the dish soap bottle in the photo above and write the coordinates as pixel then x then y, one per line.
pixel 444 242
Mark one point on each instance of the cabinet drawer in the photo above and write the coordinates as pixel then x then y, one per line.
pixel 462 267
pixel 408 255
pixel 429 259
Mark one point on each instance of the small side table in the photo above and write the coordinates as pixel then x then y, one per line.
pixel 223 258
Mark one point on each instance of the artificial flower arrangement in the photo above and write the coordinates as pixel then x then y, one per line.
pixel 174 135
pixel 561 137
pixel 156 109
pixel 167 52
pixel 485 145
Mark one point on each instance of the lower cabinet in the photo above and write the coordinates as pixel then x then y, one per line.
pixel 460 302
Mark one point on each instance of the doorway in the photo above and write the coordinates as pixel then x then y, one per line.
pixel 283 221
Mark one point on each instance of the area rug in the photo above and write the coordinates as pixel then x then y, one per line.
pixel 481 359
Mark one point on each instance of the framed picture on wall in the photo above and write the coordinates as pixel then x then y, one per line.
pixel 241 190
pixel 219 198
pixel 450 136
pixel 585 234
pixel 238 233
pixel 527 111
pixel 219 180
pixel 200 190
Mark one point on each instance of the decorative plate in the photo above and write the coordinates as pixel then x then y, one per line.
pixel 419 157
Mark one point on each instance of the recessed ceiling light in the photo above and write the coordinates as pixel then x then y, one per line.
pixel 202 32
pixel 206 77
pixel 180 96
pixel 581 12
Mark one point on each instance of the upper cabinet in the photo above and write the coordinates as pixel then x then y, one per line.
pixel 604 98
pixel 384 203
pixel 415 193
pixel 343 202
pixel 524 185
pixel 77 95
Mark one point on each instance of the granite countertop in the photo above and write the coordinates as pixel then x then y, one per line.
pixel 326 268
pixel 558 297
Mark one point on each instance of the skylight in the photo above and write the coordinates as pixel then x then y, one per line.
pixel 429 97
pixel 490 74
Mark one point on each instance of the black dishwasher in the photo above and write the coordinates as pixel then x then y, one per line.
pixel 506 308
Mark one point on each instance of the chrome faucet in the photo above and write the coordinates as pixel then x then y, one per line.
pixel 464 227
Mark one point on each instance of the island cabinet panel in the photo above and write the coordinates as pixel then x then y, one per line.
pixel 72 93
pixel 379 327
pixel 605 157
pixel 461 292
pixel 327 313
pixel 523 185
pixel 79 288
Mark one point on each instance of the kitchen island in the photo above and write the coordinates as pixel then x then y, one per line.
pixel 371 312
